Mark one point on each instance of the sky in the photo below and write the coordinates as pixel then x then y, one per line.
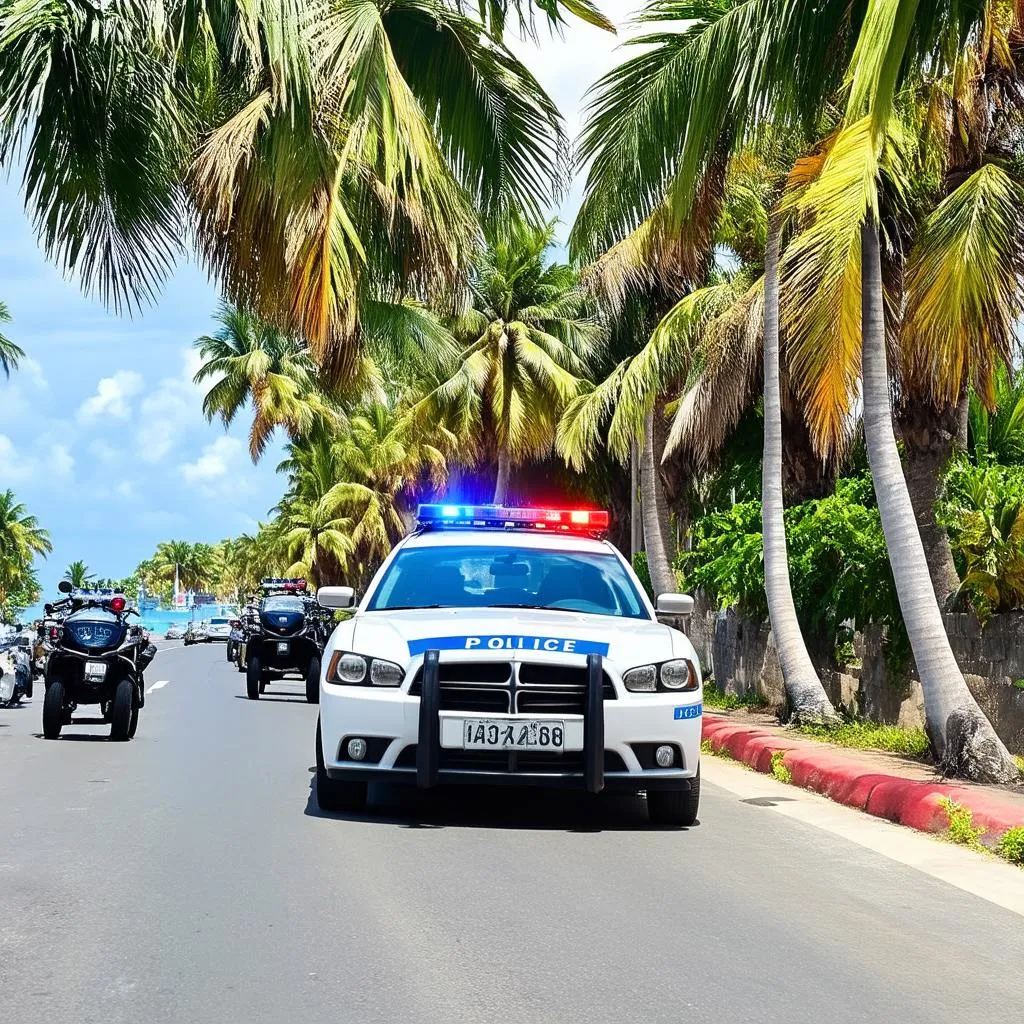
pixel 102 435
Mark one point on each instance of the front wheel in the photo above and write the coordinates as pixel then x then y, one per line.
pixel 253 672
pixel 121 711
pixel 136 704
pixel 53 710
pixel 313 680
pixel 676 808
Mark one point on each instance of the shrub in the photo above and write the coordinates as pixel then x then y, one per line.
pixel 1011 845
pixel 982 508
pixel 779 769
pixel 643 572
pixel 838 562
pixel 962 829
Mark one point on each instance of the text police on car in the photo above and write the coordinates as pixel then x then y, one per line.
pixel 501 645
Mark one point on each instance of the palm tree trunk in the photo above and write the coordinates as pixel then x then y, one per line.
pixel 807 699
pixel 964 741
pixel 504 471
pixel 930 437
pixel 652 509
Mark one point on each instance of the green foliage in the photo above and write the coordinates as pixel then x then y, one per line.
pixel 715 698
pixel 21 540
pixel 780 769
pixel 1011 845
pixel 643 572
pixel 871 736
pixel 837 560
pixel 982 508
pixel 962 829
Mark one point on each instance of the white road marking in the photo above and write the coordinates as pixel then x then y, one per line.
pixel 157 685
pixel 988 877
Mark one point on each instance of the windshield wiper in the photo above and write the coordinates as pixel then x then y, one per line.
pixel 535 607
pixel 412 607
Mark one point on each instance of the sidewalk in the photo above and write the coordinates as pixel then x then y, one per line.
pixel 886 785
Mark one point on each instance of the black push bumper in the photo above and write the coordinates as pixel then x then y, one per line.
pixel 429 771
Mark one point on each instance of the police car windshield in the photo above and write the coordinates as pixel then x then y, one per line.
pixel 475 576
pixel 282 604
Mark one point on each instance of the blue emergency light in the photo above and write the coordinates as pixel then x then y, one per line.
pixel 577 520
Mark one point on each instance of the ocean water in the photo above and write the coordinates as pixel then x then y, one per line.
pixel 158 620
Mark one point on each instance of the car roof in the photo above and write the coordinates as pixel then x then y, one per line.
pixel 536 539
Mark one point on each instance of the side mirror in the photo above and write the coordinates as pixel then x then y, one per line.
pixel 65 586
pixel 674 604
pixel 336 597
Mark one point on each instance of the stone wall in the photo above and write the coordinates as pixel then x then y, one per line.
pixel 741 656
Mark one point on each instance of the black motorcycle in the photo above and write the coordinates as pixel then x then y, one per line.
pixel 97 657
pixel 287 633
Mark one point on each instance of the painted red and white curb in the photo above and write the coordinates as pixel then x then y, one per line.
pixel 823 769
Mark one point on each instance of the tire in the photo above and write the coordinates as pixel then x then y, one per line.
pixel 313 680
pixel 334 795
pixel 227 650
pixel 676 808
pixel 133 725
pixel 53 710
pixel 253 677
pixel 121 711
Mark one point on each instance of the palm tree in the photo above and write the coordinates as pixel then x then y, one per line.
pixel 78 575
pixel 529 332
pixel 250 360
pixel 755 62
pixel 998 436
pixel 21 539
pixel 316 538
pixel 321 155
pixel 10 353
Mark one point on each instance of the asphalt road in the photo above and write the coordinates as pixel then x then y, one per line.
pixel 188 877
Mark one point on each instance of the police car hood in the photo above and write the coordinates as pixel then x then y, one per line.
pixel 516 634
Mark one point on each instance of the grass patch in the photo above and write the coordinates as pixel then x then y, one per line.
pixel 870 736
pixel 706 748
pixel 1011 845
pixel 962 829
pixel 716 698
pixel 779 769
pixel 1020 762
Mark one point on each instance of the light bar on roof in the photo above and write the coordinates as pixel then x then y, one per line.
pixel 283 583
pixel 578 520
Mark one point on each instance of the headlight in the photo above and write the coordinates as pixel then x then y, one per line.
pixel 385 673
pixel 676 676
pixel 356 670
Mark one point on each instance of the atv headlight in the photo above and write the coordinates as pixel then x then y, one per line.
pixel 676 676
pixel 356 670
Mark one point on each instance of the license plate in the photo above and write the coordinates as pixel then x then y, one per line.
pixel 512 734
pixel 95 670
pixel 282 648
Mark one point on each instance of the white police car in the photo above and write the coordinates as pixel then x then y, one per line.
pixel 500 645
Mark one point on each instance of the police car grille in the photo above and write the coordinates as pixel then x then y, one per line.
pixel 471 686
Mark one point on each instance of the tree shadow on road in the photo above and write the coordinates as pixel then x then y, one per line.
pixel 496 807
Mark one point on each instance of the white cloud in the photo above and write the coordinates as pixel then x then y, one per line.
pixel 112 397
pixel 12 465
pixel 59 460
pixel 175 405
pixel 104 451
pixel 32 371
pixel 126 489
pixel 215 462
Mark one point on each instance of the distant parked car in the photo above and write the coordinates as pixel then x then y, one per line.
pixel 194 633
pixel 218 629
pixel 174 632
